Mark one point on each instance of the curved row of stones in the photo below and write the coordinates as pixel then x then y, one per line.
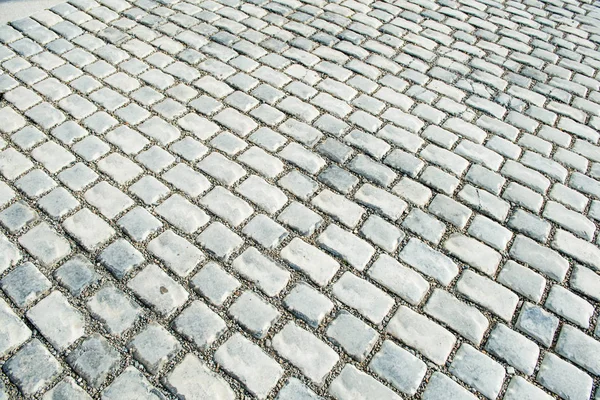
pixel 300 199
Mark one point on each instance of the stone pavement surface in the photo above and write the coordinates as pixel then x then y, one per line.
pixel 219 199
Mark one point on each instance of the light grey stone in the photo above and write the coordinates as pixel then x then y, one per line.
pixel 422 334
pixel 32 368
pixel 249 364
pixel 57 320
pixel 398 367
pixel 352 383
pixel 199 324
pixel 353 335
pixel 305 351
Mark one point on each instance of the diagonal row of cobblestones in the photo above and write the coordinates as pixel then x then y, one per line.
pixel 301 199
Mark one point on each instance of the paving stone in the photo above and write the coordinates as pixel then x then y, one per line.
pixel 570 306
pixel 154 347
pixel 305 351
pixel 88 229
pixel 347 246
pixel 429 261
pixel 14 331
pixel 514 348
pixel 115 309
pixel 249 364
pixel 45 244
pixel 94 359
pixel 564 379
pixel 131 382
pixel 270 277
pixel 158 290
pixel 199 324
pixel 25 284
pixel 192 378
pixel 139 224
pixel 461 317
pixel 223 203
pixel 254 314
pixel 66 389
pixel 478 370
pixel 367 299
pixel 218 240
pixel 32 368
pixel 473 253
pixel 398 367
pixel 537 323
pixel 308 304
pixel 353 335
pixel 399 279
pixel 58 321
pixel 441 386
pixel 488 294
pixel 355 384
pixel 519 388
pixel 295 389
pixel 506 199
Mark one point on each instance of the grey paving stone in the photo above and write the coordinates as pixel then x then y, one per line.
pixel 25 284
pixel 66 389
pixel 308 304
pixel 578 348
pixel 139 224
pixel 474 253
pixel 223 203
pixel 199 324
pixel 131 382
pixel 192 378
pixel 488 294
pixel 486 111
pixel 179 255
pixel 305 351
pixel 355 384
pixel 14 331
pixel 429 261
pixel 353 335
pixel 218 240
pixel 537 323
pixel 158 290
pixel 519 388
pixel 564 379
pixel 347 246
pixel 441 386
pixel 88 229
pixel 514 348
pixel 115 309
pixel 398 367
pixel 478 370
pixel 94 359
pixel 370 301
pixel 399 279
pixel 17 216
pixel 45 244
pixel 154 347
pixel 32 368
pixel 249 364
pixel 180 212
pixel 57 320
pixel 295 389
pixel 570 306
pixel 254 314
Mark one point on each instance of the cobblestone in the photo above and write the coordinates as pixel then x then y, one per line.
pixel 300 199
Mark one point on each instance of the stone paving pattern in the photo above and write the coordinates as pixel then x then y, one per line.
pixel 219 199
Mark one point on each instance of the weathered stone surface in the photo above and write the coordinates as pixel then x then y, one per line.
pixel 301 182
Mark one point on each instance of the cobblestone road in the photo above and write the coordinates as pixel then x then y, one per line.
pixel 300 200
